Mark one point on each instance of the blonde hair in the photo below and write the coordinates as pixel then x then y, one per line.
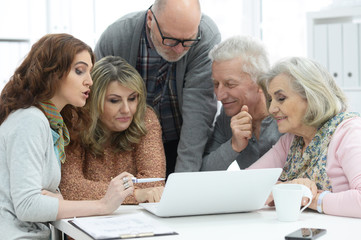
pixel 105 71
pixel 312 82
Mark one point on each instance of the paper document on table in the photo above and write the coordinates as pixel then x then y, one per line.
pixel 127 225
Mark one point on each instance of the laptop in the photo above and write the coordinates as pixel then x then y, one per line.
pixel 214 192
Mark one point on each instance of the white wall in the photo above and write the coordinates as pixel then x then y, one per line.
pixel 19 24
pixel 280 23
pixel 284 26
pixel 23 22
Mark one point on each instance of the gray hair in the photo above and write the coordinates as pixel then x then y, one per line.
pixel 251 50
pixel 315 84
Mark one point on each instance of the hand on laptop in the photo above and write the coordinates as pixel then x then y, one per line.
pixel 148 194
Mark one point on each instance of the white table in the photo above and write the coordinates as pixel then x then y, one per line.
pixel 262 224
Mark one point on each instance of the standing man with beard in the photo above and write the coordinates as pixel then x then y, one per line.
pixel 169 44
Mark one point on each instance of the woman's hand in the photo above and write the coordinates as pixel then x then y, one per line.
pixel 118 190
pixel 312 186
pixel 148 194
pixel 270 202
pixel 304 181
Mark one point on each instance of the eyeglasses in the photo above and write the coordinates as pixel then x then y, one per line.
pixel 172 42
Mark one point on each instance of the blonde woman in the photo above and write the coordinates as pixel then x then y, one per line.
pixel 121 134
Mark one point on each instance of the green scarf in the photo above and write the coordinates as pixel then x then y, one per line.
pixel 312 163
pixel 58 125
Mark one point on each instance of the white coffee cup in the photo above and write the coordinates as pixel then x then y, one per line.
pixel 288 198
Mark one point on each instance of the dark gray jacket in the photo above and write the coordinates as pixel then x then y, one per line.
pixel 219 153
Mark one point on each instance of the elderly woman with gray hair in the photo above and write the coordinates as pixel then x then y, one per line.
pixel 321 147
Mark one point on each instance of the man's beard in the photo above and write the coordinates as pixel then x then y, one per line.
pixel 167 54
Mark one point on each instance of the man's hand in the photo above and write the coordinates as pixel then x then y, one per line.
pixel 241 125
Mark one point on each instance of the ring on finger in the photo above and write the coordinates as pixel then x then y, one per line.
pixel 126 185
pixel 125 179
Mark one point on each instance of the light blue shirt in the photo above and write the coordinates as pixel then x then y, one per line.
pixel 56 150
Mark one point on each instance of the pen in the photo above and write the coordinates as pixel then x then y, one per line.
pixel 145 180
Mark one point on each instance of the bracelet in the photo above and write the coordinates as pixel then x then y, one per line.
pixel 319 201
